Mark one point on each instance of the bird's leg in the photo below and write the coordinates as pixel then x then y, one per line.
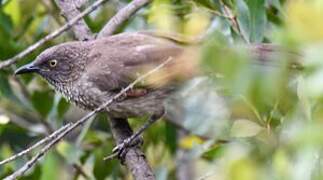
pixel 133 140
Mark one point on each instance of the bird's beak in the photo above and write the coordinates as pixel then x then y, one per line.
pixel 28 68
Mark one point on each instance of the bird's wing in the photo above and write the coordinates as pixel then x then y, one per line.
pixel 123 58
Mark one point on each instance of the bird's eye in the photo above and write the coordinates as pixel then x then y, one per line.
pixel 52 63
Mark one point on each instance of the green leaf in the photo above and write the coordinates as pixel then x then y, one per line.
pixel 252 19
pixel 7 49
pixel 5 88
pixel 5 23
pixel 50 168
pixel 245 128
pixel 13 9
pixel 211 4
pixel 276 4
pixel 170 133
pixel 102 169
pixel 63 106
pixel 69 151
pixel 36 174
pixel 42 102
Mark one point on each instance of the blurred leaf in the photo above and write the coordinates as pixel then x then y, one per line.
pixel 276 4
pixel 97 20
pixel 162 16
pixel 281 164
pixel 5 88
pixel 5 24
pixel 244 19
pixel 6 152
pixel 212 4
pixel 63 106
pixel 36 174
pixel 244 169
pixel 7 45
pixel 42 101
pixel 29 7
pixel 171 135
pixel 230 65
pixel 216 151
pixel 245 128
pixel 159 156
pixel 303 21
pixel 251 15
pixel 36 23
pixel 13 9
pixel 69 151
pixel 101 168
pixel 204 118
pixel 161 173
pixel 197 23
pixel 50 168
pixel 189 142
pixel 4 119
pixel 16 137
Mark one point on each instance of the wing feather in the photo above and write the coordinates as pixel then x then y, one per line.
pixel 122 58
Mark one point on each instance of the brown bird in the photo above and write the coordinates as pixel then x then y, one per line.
pixel 90 73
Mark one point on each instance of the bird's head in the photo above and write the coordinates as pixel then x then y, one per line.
pixel 59 64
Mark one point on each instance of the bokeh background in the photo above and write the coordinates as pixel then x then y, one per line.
pixel 255 111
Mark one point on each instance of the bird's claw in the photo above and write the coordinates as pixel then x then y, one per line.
pixel 121 150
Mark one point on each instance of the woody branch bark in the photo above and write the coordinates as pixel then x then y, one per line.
pixel 69 10
pixel 123 15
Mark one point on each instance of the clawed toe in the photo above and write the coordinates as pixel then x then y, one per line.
pixel 121 149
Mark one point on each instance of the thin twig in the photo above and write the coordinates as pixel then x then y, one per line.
pixel 80 170
pixel 235 24
pixel 51 36
pixel 123 15
pixel 39 143
pixel 110 157
pixel 43 151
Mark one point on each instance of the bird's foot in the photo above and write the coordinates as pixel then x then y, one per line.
pixel 122 149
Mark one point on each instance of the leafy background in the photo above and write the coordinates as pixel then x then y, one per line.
pixel 247 120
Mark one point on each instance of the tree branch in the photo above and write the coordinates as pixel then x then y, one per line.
pixel 69 10
pixel 123 15
pixel 51 36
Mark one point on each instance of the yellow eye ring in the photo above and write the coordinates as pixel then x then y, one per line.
pixel 52 63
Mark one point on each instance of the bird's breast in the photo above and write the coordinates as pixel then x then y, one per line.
pixel 83 95
pixel 89 97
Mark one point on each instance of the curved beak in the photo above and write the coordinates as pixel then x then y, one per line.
pixel 28 68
